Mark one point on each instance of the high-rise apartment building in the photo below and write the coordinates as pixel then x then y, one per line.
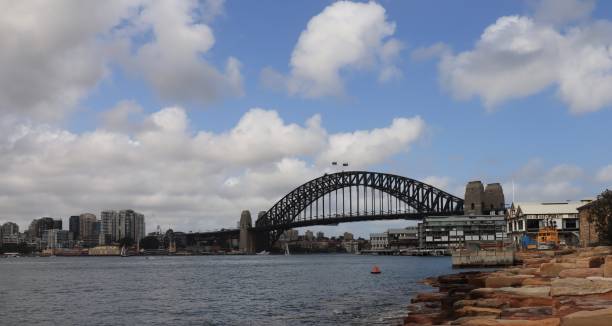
pixel 87 230
pixel 117 225
pixel 9 228
pixel 54 238
pixel 74 227
pixel 38 226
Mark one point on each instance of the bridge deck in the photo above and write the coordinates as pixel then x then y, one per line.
pixel 353 218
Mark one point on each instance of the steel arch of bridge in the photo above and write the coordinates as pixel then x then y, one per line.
pixel 423 199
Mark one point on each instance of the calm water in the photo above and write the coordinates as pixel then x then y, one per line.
pixel 211 290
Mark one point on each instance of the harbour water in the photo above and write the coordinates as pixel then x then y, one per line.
pixel 212 290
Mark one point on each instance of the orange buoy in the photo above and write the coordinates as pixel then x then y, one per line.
pixel 375 270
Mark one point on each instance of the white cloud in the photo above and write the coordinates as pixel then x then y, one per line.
pixel 559 12
pixel 514 58
pixel 158 164
pixel 367 147
pixel 605 174
pixel 433 51
pixel 439 182
pixel 344 36
pixel 564 172
pixel 53 55
pixel 537 182
pixel 124 117
pixel 172 61
pixel 518 56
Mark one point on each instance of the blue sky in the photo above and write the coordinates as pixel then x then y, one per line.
pixel 527 102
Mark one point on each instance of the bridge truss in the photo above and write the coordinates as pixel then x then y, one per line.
pixel 356 196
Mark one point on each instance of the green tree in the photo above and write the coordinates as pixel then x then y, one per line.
pixel 601 214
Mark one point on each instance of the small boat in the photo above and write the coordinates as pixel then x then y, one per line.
pixel 375 270
pixel 124 252
pixel 263 253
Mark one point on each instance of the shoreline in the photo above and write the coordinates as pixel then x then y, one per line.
pixel 549 288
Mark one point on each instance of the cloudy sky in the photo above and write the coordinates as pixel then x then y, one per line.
pixel 191 111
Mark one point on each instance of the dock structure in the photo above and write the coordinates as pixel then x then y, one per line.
pixel 483 258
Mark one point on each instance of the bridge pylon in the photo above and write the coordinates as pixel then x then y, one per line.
pixel 247 235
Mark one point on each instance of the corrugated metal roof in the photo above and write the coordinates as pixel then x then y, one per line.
pixel 530 208
pixel 462 218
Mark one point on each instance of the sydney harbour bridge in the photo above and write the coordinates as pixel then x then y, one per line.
pixel 348 196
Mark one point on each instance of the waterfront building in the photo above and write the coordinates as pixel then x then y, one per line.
pixel 9 233
pixel 347 236
pixel 38 226
pixel 117 225
pixel 308 235
pixel 9 228
pixel 320 235
pixel 351 246
pixel 379 241
pixel 74 227
pixel 292 235
pixel 105 251
pixel 395 239
pixel 526 219
pixel 403 238
pixel 443 232
pixel 88 230
pixel 54 238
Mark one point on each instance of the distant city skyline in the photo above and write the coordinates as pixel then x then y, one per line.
pixel 192 111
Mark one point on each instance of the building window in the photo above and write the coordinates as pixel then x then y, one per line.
pixel 520 225
pixel 570 224
pixel 533 224
pixel 472 205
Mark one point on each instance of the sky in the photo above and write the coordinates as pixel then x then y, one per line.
pixel 192 111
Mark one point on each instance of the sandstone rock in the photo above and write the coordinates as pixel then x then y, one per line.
pixel 597 251
pixel 505 322
pixel 581 272
pixel 477 311
pixel 589 262
pixel 463 320
pixel 536 281
pixel 553 269
pixel 607 267
pixel 428 297
pixel 462 303
pixel 571 260
pixel 505 281
pixel 421 319
pixel 477 281
pixel 539 291
pixel 481 293
pixel 601 317
pixel 480 322
pixel 527 271
pixel 579 286
pixel 534 262
pixel 527 312
pixel 565 305
pixel 533 292
pixel 603 249
pixel 491 303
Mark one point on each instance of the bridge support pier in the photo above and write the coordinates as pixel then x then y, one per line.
pixel 247 236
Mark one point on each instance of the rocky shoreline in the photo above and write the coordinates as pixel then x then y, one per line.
pixel 548 288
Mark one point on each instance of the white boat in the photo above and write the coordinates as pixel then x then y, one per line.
pixel 263 253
